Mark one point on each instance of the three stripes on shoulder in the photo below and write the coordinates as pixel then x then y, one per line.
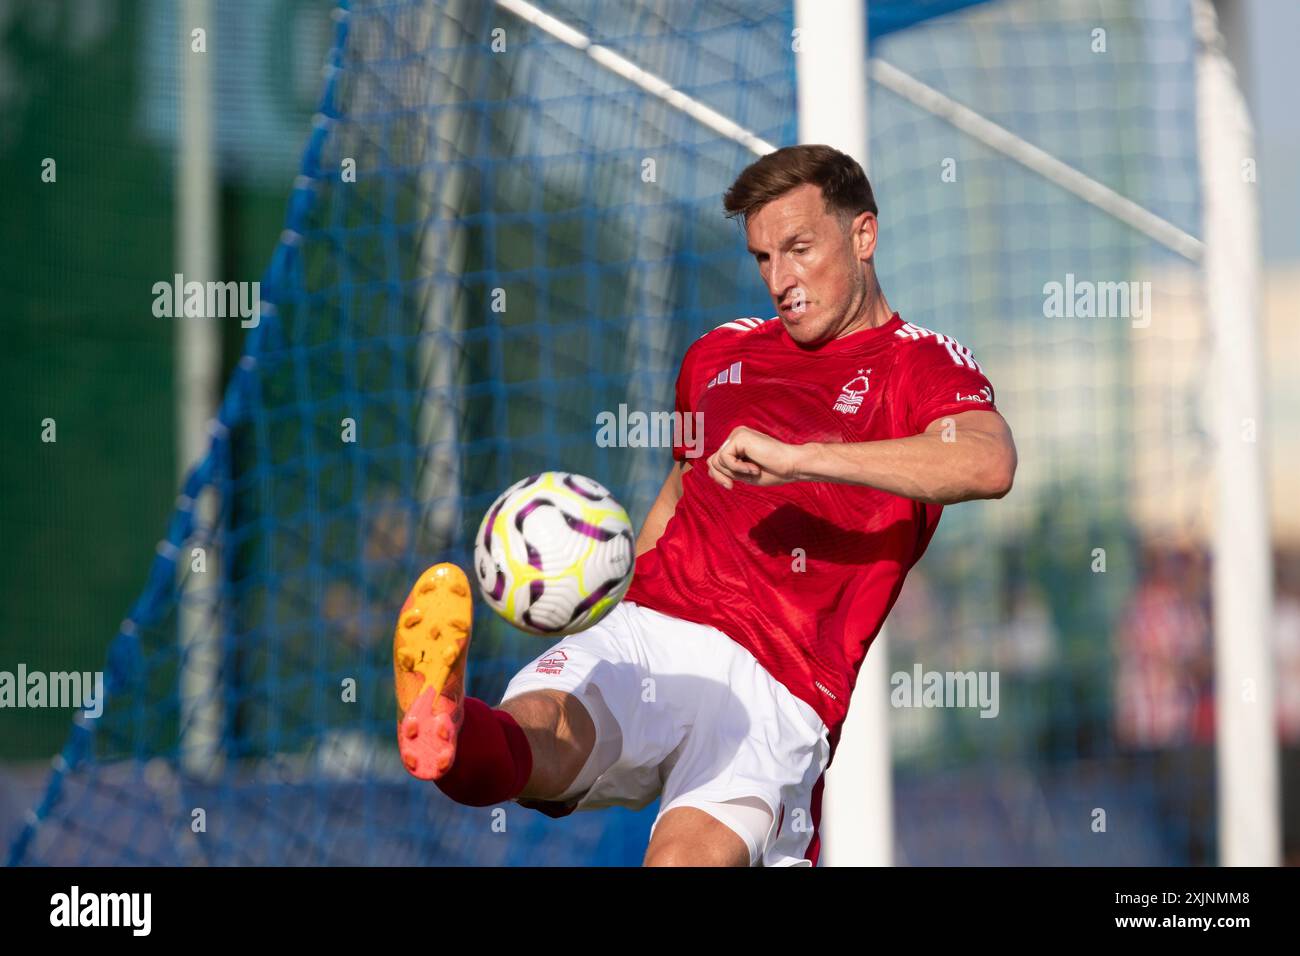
pixel 740 325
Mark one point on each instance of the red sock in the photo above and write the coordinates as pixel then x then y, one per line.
pixel 493 759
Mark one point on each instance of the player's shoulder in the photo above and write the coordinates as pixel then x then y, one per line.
pixel 921 346
pixel 732 336
pixel 738 328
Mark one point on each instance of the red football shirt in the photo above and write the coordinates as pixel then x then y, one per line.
pixel 803 574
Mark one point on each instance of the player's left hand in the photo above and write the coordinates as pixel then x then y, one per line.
pixel 754 458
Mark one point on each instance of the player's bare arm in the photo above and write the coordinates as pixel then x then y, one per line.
pixel 962 457
pixel 662 509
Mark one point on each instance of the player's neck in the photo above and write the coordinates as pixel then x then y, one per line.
pixel 875 312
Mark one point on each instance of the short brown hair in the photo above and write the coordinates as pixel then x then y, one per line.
pixel 842 181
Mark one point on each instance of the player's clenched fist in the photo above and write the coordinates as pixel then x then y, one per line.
pixel 752 457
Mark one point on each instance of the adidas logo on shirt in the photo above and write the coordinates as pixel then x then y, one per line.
pixel 730 374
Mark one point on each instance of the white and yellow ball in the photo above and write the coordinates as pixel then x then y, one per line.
pixel 554 553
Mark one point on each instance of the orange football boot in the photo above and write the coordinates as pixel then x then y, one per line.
pixel 429 651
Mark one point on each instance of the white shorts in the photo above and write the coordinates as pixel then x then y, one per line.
pixel 685 713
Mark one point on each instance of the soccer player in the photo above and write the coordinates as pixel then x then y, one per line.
pixel 834 434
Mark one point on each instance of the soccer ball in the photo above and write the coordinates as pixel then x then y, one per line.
pixel 554 553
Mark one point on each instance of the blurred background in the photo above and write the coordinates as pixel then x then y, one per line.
pixel 528 239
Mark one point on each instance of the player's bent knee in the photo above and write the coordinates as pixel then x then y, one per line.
pixel 685 853
pixel 561 735
pixel 687 836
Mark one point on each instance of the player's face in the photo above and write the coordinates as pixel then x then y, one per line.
pixel 813 263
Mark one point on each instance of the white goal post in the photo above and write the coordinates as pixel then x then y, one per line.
pixel 1246 745
pixel 857 805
